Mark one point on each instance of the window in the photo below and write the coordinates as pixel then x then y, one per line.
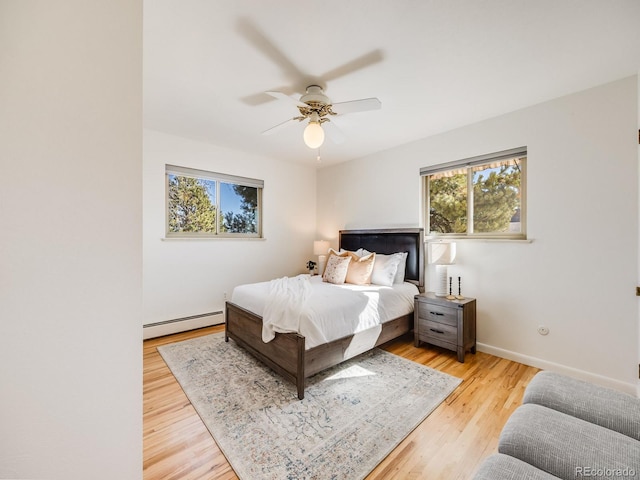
pixel 480 197
pixel 208 204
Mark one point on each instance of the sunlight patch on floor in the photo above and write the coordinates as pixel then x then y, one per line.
pixel 351 372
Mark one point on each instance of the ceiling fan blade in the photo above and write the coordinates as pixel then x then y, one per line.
pixel 260 98
pixel 282 96
pixel 280 126
pixel 333 132
pixel 356 64
pixel 263 44
pixel 357 106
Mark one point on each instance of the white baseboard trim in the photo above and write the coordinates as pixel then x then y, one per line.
pixel 559 368
pixel 181 325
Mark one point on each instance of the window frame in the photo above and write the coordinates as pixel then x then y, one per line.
pixel 218 178
pixel 468 164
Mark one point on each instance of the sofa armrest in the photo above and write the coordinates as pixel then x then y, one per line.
pixel 603 406
pixel 504 467
pixel 568 447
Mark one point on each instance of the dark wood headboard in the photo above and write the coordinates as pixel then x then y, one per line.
pixel 388 241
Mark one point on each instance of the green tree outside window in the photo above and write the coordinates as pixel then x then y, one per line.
pixel 190 205
pixel 208 204
pixel 494 206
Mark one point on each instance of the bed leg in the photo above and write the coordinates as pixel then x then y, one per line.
pixel 226 322
pixel 300 377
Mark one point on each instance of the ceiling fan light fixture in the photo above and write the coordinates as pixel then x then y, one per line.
pixel 316 108
pixel 313 135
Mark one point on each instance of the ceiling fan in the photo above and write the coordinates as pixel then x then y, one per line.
pixel 316 107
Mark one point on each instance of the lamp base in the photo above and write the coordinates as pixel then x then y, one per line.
pixel 441 281
pixel 322 262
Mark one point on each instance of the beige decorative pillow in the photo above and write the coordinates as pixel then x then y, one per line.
pixel 331 251
pixel 336 269
pixel 341 253
pixel 360 268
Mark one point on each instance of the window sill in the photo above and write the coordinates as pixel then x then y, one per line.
pixel 217 239
pixel 481 240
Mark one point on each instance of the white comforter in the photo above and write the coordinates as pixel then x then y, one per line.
pixel 321 311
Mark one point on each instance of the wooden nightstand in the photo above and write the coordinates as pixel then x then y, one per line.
pixel 446 323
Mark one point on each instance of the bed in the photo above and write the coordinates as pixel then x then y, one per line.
pixel 288 353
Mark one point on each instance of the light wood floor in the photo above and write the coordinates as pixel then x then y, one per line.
pixel 450 444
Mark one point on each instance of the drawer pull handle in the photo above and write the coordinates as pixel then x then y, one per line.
pixel 437 313
pixel 437 331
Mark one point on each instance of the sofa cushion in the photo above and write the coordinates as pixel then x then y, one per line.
pixel 593 403
pixel 568 447
pixel 504 467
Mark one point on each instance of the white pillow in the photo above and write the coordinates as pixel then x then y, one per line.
pixel 402 267
pixel 384 270
pixel 385 264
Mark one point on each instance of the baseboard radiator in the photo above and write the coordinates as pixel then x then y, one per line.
pixel 177 325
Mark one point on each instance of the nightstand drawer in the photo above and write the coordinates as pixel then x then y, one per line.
pixel 440 331
pixel 438 313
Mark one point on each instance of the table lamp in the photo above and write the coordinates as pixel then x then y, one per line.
pixel 320 248
pixel 441 254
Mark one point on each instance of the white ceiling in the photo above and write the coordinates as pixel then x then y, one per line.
pixel 435 65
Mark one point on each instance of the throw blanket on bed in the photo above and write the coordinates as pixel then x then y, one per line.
pixel 284 305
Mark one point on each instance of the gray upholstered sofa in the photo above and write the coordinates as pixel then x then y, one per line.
pixel 569 429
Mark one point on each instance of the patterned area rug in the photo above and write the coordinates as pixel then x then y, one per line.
pixel 352 416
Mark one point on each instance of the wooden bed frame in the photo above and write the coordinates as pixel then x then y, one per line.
pixel 286 353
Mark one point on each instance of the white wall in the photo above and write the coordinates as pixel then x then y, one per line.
pixel 70 248
pixel 189 277
pixel 578 275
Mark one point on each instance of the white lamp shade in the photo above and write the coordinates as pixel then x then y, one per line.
pixel 313 135
pixel 442 253
pixel 320 247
